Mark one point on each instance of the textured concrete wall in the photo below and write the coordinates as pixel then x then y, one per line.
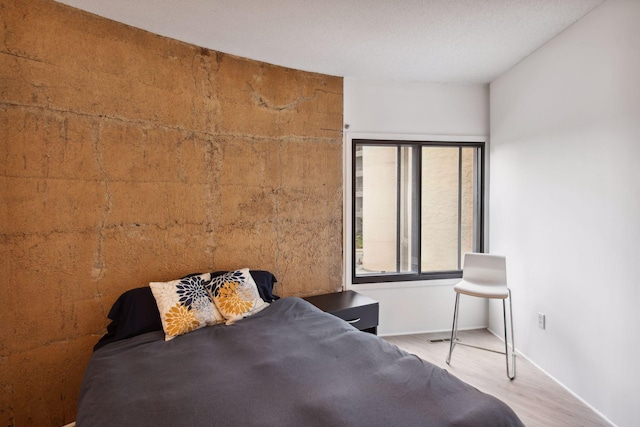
pixel 126 157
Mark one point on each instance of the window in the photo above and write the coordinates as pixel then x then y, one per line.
pixel 417 208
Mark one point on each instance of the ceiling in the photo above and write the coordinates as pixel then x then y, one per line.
pixel 469 41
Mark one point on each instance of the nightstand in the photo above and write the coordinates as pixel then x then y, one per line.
pixel 352 307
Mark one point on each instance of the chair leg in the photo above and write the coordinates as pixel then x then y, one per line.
pixel 454 328
pixel 506 341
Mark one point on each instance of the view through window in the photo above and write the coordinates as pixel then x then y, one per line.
pixel 417 208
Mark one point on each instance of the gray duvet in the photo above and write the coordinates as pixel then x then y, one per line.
pixel 289 365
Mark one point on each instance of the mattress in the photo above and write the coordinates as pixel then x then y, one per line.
pixel 288 365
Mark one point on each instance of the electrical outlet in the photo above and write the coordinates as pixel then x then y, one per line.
pixel 541 320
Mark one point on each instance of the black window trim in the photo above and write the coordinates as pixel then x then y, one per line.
pixel 419 275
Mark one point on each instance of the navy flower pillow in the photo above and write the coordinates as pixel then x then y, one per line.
pixel 185 305
pixel 236 295
pixel 264 280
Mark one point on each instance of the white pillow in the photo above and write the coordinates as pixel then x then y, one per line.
pixel 235 294
pixel 185 305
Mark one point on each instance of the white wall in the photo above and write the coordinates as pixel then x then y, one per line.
pixel 565 205
pixel 411 111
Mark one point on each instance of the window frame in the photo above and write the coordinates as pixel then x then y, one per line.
pixel 479 216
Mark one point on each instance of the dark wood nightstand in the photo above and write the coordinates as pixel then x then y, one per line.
pixel 356 309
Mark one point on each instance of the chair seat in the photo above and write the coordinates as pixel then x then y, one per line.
pixel 481 290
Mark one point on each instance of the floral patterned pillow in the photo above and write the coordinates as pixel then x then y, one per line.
pixel 185 305
pixel 236 295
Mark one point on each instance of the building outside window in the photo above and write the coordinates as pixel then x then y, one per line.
pixel 417 208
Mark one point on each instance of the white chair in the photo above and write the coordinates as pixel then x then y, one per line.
pixel 485 276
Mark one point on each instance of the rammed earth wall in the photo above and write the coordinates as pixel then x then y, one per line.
pixel 126 157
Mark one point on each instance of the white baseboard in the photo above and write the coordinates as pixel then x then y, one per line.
pixel 396 334
pixel 608 421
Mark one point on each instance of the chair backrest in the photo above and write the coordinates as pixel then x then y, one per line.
pixel 485 269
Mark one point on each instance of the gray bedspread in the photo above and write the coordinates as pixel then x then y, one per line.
pixel 289 365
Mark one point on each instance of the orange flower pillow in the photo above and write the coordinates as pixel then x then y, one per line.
pixel 236 295
pixel 185 305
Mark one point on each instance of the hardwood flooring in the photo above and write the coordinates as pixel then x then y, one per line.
pixel 537 399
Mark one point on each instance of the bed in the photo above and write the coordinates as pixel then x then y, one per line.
pixel 289 364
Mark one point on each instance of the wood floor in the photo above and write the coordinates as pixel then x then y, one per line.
pixel 537 399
